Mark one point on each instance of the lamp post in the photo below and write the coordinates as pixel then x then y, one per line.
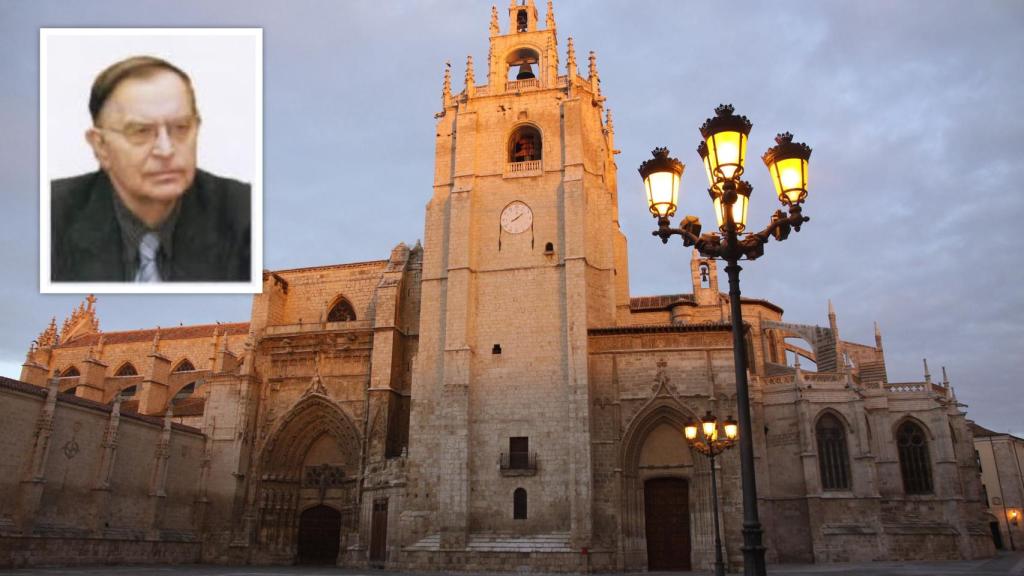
pixel 723 151
pixel 709 444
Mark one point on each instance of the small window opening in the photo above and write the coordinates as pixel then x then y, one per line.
pixel 521 21
pixel 496 349
pixel 549 248
pixel 705 277
pixel 519 504
pixel 127 369
pixel 129 392
pixel 519 453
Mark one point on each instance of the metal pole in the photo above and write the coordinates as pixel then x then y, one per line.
pixel 753 550
pixel 719 564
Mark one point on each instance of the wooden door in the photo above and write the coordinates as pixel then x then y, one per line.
pixel 667 523
pixel 319 533
pixel 379 531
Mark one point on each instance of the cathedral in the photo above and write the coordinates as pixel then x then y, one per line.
pixel 493 399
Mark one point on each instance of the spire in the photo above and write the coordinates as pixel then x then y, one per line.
pixel 570 61
pixel 495 30
pixel 470 78
pixel 595 79
pixel 927 375
pixel 550 20
pixel 878 337
pixel 831 309
pixel 945 379
pixel 446 87
pixel 48 337
pixel 156 342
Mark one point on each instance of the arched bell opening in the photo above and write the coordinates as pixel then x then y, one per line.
pixel 522 64
pixel 525 144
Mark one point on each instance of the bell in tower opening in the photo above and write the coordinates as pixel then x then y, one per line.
pixel 524 59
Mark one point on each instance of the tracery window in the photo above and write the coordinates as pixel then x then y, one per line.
pixel 184 366
pixel 833 459
pixel 127 369
pixel 519 504
pixel 915 462
pixel 342 311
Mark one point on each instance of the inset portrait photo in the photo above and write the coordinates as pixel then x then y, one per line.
pixel 151 148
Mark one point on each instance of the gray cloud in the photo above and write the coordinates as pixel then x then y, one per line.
pixel 911 108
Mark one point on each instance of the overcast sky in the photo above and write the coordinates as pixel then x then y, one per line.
pixel 912 108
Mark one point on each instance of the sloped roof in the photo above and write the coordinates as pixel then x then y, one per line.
pixel 171 333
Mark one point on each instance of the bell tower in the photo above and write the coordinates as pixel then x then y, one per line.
pixel 522 254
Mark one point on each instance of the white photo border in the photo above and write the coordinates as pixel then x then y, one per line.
pixel 255 283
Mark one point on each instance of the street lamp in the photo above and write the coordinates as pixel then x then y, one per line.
pixel 1013 516
pixel 710 445
pixel 723 152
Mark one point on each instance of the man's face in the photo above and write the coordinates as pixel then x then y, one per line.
pixel 145 138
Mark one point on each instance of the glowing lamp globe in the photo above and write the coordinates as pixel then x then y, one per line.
pixel 739 208
pixel 725 136
pixel 787 164
pixel 661 176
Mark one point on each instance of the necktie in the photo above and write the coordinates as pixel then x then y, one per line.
pixel 148 247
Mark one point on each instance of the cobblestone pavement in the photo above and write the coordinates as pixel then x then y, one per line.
pixel 1002 565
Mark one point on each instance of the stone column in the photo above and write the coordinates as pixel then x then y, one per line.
pixel 158 480
pixel 101 489
pixel 32 485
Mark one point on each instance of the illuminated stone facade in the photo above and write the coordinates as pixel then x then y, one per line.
pixel 496 399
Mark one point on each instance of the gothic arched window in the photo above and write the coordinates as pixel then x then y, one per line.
pixel 519 504
pixel 915 462
pixel 524 145
pixel 69 372
pixel 833 462
pixel 342 311
pixel 126 369
pixel 184 366
pixel 129 392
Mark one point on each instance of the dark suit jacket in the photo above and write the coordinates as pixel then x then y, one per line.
pixel 211 237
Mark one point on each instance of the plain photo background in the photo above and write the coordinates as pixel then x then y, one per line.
pixel 225 66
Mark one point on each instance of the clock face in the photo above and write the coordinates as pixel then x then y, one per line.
pixel 516 217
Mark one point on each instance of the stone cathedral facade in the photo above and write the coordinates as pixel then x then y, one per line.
pixel 491 399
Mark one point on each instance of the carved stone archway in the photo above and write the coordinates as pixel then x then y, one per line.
pixel 661 412
pixel 287 485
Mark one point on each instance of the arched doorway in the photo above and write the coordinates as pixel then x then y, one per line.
pixel 319 533
pixel 667 523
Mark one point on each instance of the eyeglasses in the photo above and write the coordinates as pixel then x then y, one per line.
pixel 179 130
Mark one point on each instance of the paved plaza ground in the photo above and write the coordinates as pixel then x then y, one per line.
pixel 1003 564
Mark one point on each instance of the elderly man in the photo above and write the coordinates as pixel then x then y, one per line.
pixel 148 214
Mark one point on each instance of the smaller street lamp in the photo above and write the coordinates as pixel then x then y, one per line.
pixel 709 444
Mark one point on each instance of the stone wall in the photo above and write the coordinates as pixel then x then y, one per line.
pixel 82 483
